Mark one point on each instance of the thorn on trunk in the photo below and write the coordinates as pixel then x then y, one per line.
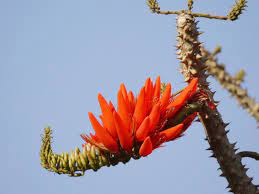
pixel 226 132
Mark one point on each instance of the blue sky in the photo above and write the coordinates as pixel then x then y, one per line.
pixel 56 55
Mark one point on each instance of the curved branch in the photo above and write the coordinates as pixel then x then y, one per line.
pixel 73 164
pixel 232 84
pixel 249 154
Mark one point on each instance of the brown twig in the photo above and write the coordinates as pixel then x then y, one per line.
pixel 203 15
pixel 232 84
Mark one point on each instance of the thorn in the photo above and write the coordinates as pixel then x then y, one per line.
pixel 197 120
pixel 213 156
pixel 228 187
pixel 225 124
pixel 200 43
pixel 222 174
pixel 251 179
pixel 227 131
pixel 213 93
pixel 219 168
pixel 233 144
pixel 206 139
pixel 209 148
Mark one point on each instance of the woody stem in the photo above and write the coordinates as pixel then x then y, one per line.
pixel 193 66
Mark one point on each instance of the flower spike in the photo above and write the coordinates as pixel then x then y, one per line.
pixel 133 129
pixel 139 123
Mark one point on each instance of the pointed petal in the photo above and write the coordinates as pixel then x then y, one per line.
pixel 123 110
pixel 85 138
pixel 193 86
pixel 101 117
pixel 173 132
pixel 154 116
pixel 111 106
pixel 148 94
pixel 188 121
pixel 146 147
pixel 125 136
pixel 102 135
pixel 157 90
pixel 125 95
pixel 107 117
pixel 166 96
pixel 140 110
pixel 143 130
pixel 98 128
pixel 147 83
pixel 94 137
pixel 185 94
pixel 131 101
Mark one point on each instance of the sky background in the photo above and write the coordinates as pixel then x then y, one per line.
pixel 56 55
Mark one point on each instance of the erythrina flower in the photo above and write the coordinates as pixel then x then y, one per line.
pixel 139 122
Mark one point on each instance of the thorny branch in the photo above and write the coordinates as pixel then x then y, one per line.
pixel 230 83
pixel 192 65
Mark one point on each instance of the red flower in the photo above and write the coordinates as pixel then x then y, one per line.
pixel 140 122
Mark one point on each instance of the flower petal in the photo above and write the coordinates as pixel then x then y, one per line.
pixel 140 110
pixel 166 96
pixel 102 134
pixel 123 110
pixel 143 130
pixel 173 132
pixel 188 121
pixel 111 106
pixel 154 116
pixel 148 94
pixel 125 136
pixel 157 90
pixel 107 117
pixel 146 147
pixel 184 95
pixel 131 101
pixel 125 95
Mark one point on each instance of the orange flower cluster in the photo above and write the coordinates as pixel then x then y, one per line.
pixel 140 121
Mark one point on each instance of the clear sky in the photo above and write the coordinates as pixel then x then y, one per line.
pixel 56 55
